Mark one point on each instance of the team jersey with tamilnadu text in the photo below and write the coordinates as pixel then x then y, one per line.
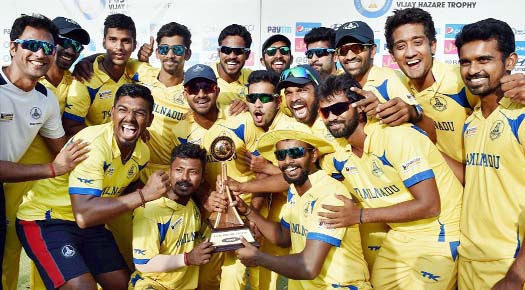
pixel 165 227
pixel 90 102
pixel 169 108
pixel 102 174
pixel 244 138
pixel 492 222
pixel 344 263
pixel 448 102
pixel 393 160
pixel 234 90
pixel 23 115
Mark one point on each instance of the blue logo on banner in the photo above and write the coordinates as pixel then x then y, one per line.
pixel 452 29
pixel 520 47
pixel 302 28
pixel 373 9
pixel 377 42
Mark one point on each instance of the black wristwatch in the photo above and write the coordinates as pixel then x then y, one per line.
pixel 419 112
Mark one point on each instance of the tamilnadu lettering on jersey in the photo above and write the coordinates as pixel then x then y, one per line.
pixel 482 159
pixel 168 112
pixel 376 192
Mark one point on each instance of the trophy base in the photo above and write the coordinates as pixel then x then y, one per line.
pixel 229 239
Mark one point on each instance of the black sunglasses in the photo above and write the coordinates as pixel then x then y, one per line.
pixel 236 50
pixel 294 153
pixel 271 51
pixel 319 52
pixel 195 87
pixel 264 98
pixel 336 109
pixel 67 42
pixel 356 48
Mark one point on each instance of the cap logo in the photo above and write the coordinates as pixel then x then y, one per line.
pixel 71 21
pixel 198 68
pixel 351 25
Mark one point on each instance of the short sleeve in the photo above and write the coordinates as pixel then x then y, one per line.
pixel 319 231
pixel 146 238
pixel 285 211
pixel 87 178
pixel 78 101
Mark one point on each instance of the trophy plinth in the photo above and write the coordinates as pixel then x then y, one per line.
pixel 227 227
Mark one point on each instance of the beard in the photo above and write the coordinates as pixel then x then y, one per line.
pixel 297 181
pixel 348 128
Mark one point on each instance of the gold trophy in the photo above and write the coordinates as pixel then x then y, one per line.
pixel 227 227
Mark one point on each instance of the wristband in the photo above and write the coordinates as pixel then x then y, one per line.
pixel 142 198
pixel 52 168
pixel 419 112
pixel 361 216
pixel 186 259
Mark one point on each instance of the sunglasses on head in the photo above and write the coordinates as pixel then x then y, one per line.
pixel 235 50
pixel 271 51
pixel 298 72
pixel 35 45
pixel 294 153
pixel 66 43
pixel 319 52
pixel 336 109
pixel 264 98
pixel 356 48
pixel 196 87
pixel 178 50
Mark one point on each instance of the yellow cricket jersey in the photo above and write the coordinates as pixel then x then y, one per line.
pixel 169 108
pixel 448 102
pixel 244 137
pixel 492 222
pixel 90 102
pixel 168 228
pixel 102 174
pixel 234 90
pixel 344 263
pixel 393 160
pixel 385 84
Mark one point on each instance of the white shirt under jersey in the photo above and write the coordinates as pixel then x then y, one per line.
pixel 23 115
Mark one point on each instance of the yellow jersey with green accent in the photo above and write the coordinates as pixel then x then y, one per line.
pixel 448 102
pixel 102 174
pixel 492 223
pixel 90 102
pixel 234 90
pixel 344 263
pixel 244 138
pixel 170 107
pixel 165 227
pixel 393 160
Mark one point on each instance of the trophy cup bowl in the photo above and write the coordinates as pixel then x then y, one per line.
pixel 227 227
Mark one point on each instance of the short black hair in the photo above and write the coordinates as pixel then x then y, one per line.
pixel 120 21
pixel 339 83
pixel 320 34
pixel 191 151
pixel 409 16
pixel 135 91
pixel 175 29
pixel 488 29
pixel 36 21
pixel 264 76
pixel 236 29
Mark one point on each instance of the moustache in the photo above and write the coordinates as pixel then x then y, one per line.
pixel 183 183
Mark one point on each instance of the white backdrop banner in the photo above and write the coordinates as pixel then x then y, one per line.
pixel 293 18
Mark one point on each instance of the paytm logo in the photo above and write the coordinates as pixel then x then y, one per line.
pixel 452 29
pixel 302 28
pixel 279 29
pixel 520 47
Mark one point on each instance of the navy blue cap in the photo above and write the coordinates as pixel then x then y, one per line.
pixel 357 30
pixel 289 77
pixel 71 29
pixel 199 71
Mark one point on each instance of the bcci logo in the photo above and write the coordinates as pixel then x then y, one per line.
pixel 376 169
pixel 36 113
pixel 496 129
pixel 372 8
pixel 68 251
pixel 438 103
pixel 178 98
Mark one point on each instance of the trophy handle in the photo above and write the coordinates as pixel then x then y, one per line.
pixel 224 178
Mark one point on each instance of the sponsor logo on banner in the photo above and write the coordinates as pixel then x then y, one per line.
pixel 449 47
pixel 518 31
pixel 388 61
pixel 300 46
pixel 520 47
pixel 452 61
pixel 452 29
pixel 302 28
pixel 91 9
pixel 279 29
pixel 520 65
pixel 373 8
pixel 335 26
pixel 117 6
pixel 377 42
